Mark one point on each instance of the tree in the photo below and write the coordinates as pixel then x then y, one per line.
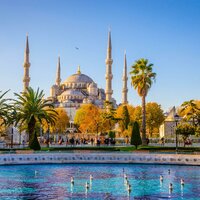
pixel 137 115
pixel 142 79
pixel 109 115
pixel 190 110
pixel 4 110
pixel 124 114
pixel 31 107
pixel 88 118
pixel 154 117
pixel 125 117
pixel 60 124
pixel 135 137
pixel 185 130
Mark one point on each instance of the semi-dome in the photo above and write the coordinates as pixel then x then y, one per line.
pixel 72 93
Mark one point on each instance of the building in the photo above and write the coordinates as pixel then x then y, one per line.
pixel 167 129
pixel 79 89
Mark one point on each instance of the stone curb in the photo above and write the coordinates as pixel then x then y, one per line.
pixel 50 158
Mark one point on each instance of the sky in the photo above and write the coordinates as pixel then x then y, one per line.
pixel 166 32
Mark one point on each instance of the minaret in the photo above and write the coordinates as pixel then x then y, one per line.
pixel 58 79
pixel 109 75
pixel 124 78
pixel 27 65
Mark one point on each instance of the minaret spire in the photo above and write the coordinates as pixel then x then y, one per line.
pixel 58 79
pixel 109 75
pixel 124 78
pixel 26 65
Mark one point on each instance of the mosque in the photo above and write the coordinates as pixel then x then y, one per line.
pixel 79 89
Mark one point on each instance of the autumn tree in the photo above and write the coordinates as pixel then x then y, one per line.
pixel 154 117
pixel 125 119
pixel 109 115
pixel 88 118
pixel 60 124
pixel 137 115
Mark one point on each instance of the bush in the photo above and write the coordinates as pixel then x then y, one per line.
pixel 135 137
pixel 111 134
pixel 33 142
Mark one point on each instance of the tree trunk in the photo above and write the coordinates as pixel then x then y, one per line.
pixel 144 141
pixel 31 128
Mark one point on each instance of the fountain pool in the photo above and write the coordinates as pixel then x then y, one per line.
pixel 53 181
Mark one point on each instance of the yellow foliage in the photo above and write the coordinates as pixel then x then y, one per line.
pixel 88 118
pixel 131 109
pixel 60 124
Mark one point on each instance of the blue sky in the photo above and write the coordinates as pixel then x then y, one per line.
pixel 167 32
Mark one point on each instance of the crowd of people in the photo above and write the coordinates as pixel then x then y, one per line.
pixel 78 141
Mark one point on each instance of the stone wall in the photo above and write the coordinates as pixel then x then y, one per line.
pixel 45 158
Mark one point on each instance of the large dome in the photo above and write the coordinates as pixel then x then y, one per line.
pixel 78 78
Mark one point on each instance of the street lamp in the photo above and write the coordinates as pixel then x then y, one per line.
pixel 12 128
pixel 48 140
pixel 176 118
pixel 12 132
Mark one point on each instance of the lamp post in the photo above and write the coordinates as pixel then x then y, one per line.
pixel 12 131
pixel 12 128
pixel 48 136
pixel 176 118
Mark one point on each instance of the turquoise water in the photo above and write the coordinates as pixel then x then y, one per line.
pixel 53 182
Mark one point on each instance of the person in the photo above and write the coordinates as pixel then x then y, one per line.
pixel 23 143
pixel 162 141
pixel 98 142
pixel 147 139
pixel 72 141
pixel 60 141
pixel 92 141
pixel 67 141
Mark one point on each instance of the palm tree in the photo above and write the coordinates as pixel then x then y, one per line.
pixel 31 107
pixel 4 109
pixel 190 109
pixel 142 79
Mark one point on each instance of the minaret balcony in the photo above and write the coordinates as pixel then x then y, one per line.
pixel 109 76
pixel 109 61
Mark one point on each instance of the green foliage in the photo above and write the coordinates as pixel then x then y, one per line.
pixel 33 142
pixel 111 134
pixel 32 108
pixel 135 137
pixel 185 130
pixel 191 110
pixel 125 117
pixel 5 110
pixel 142 77
pixel 109 114
pixel 197 131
